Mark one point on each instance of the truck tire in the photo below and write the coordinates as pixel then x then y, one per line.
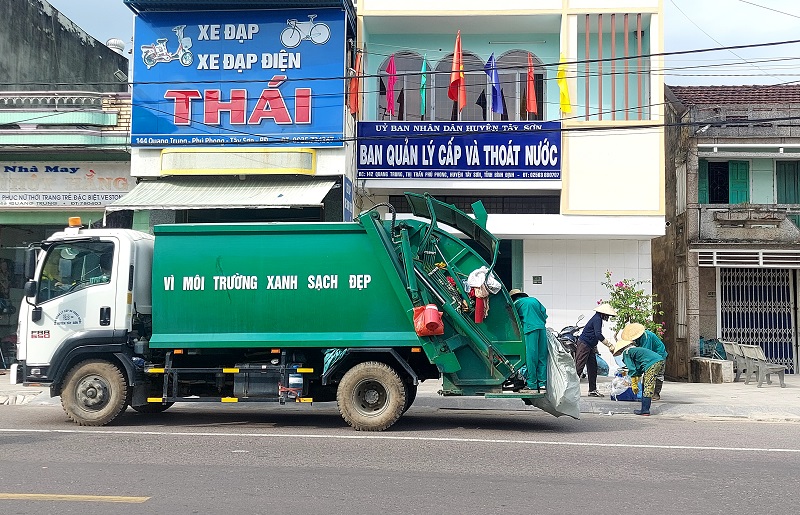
pixel 153 407
pixel 371 396
pixel 94 393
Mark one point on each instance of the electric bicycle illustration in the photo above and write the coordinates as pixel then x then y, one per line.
pixel 299 31
pixel 157 53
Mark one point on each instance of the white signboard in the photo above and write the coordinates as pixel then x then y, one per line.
pixel 82 184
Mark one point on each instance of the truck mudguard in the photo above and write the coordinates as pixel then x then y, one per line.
pixel 334 364
pixel 84 344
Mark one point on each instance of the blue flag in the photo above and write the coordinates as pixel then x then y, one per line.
pixel 494 79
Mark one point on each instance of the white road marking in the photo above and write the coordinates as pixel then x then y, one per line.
pixel 404 438
pixel 69 497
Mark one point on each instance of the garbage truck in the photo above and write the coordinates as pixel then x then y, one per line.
pixel 355 312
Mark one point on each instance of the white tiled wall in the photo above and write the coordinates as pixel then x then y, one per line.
pixel 572 272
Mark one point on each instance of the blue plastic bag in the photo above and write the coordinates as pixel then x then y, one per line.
pixel 602 366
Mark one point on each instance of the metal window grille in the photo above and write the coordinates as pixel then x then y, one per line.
pixel 527 205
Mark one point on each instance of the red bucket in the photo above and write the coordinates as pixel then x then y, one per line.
pixel 428 320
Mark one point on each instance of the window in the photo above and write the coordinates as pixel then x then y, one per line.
pixel 723 182
pixel 73 266
pixel 718 183
pixel 680 189
pixel 513 70
pixel 407 93
pixel 680 312
pixel 476 82
pixel 787 174
pixel 533 204
pixel 513 75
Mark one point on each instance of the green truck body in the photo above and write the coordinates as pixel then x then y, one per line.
pixel 277 312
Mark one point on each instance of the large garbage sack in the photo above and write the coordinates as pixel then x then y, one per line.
pixel 563 385
pixel 602 366
pixel 621 388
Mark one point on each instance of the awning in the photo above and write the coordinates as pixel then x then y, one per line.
pixel 175 193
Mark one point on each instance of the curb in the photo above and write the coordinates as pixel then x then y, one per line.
pixel 13 398
pixel 608 407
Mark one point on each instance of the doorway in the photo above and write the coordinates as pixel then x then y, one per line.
pixel 757 306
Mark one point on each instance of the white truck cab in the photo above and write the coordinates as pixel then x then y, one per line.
pixel 88 289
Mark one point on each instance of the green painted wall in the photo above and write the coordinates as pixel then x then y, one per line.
pixel 763 180
pixel 141 221
pixel 47 217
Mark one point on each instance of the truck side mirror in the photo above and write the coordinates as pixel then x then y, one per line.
pixel 30 288
pixel 30 263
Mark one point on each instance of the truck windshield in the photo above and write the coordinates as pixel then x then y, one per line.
pixel 70 266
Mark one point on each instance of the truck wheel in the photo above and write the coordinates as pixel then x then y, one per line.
pixel 153 407
pixel 371 396
pixel 411 394
pixel 94 393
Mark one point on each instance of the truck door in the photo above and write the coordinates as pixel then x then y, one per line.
pixel 76 293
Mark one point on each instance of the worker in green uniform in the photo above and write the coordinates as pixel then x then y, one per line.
pixel 641 362
pixel 641 337
pixel 533 316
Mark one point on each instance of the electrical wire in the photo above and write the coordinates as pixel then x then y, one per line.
pixel 713 38
pixel 578 130
pixel 548 65
pixel 770 9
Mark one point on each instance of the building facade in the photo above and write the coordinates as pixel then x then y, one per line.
pixel 559 131
pixel 64 133
pixel 728 263
pixel 239 112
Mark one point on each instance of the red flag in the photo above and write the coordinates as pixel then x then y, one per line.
pixel 457 92
pixel 392 71
pixel 531 94
pixel 354 85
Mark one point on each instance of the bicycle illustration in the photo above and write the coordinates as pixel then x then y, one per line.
pixel 299 31
pixel 158 53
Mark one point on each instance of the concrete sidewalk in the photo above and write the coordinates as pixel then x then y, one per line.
pixel 16 393
pixel 695 400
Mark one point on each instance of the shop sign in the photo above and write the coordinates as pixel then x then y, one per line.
pixel 250 77
pixel 459 150
pixel 347 199
pixel 82 184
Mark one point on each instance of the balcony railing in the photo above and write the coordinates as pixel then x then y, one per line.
pixel 750 222
pixel 53 100
pixel 64 119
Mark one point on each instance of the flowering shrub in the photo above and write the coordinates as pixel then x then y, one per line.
pixel 633 304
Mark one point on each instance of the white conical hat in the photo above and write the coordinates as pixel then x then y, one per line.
pixel 632 331
pixel 620 346
pixel 606 309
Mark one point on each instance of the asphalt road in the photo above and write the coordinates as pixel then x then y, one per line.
pixel 250 459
